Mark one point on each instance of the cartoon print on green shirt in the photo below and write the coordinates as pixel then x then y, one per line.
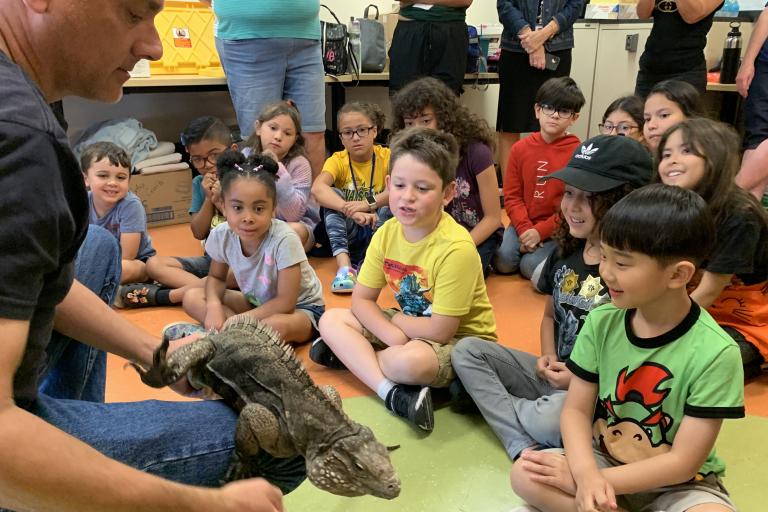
pixel 631 426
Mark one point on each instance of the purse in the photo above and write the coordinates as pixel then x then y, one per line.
pixel 372 43
pixel 335 44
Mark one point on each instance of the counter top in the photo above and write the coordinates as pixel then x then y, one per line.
pixel 191 81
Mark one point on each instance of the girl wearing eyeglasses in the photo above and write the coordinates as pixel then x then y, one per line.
pixel 351 189
pixel 624 117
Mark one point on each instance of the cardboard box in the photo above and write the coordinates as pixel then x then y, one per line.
pixel 165 196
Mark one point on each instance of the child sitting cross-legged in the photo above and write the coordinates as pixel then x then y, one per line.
pixel 703 156
pixel 519 394
pixel 107 171
pixel 351 189
pixel 276 283
pixel 430 263
pixel 653 374
pixel 530 202
pixel 204 139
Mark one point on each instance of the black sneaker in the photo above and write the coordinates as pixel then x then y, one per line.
pixel 413 403
pixel 322 354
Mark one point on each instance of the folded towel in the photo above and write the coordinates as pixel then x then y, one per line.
pixel 127 133
pixel 161 160
pixel 165 168
pixel 162 149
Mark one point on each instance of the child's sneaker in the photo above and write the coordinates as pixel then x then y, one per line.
pixel 178 330
pixel 344 281
pixel 461 400
pixel 322 354
pixel 413 403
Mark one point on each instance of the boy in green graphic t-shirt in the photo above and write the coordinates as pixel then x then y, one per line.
pixel 654 375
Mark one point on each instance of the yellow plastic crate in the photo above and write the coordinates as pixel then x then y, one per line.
pixel 186 30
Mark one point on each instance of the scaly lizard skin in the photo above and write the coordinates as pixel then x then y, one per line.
pixel 281 409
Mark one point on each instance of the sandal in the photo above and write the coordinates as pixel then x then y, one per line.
pixel 344 281
pixel 137 295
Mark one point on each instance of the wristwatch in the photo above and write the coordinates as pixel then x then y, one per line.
pixel 371 200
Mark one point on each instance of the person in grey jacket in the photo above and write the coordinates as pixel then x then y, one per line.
pixel 536 45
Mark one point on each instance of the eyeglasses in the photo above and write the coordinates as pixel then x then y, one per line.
pixel 361 132
pixel 198 162
pixel 621 128
pixel 562 113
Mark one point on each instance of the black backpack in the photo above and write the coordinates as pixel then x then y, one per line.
pixel 335 44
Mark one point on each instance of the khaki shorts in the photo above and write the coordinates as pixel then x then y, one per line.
pixel 672 498
pixel 445 373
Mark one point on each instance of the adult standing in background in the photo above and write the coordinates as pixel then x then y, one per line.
pixel 430 39
pixel 533 29
pixel 675 48
pixel 270 51
pixel 752 83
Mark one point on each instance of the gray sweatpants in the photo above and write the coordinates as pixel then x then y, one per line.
pixel 522 409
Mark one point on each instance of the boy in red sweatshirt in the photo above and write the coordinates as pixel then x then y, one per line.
pixel 531 203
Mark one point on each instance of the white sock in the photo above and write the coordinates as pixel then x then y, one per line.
pixel 384 387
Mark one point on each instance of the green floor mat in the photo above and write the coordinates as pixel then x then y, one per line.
pixel 459 467
pixel 462 467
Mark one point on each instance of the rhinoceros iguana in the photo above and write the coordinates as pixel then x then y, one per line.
pixel 281 409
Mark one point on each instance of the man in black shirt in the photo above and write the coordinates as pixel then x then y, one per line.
pixel 49 49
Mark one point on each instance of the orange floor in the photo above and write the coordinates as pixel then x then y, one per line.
pixel 517 307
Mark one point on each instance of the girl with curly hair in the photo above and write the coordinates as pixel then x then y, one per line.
pixel 428 102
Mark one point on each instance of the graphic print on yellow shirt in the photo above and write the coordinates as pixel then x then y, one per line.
pixel 410 284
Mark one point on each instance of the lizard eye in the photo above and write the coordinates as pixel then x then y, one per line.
pixel 359 466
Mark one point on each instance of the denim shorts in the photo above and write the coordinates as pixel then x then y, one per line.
pixel 262 71
pixel 198 266
pixel 314 312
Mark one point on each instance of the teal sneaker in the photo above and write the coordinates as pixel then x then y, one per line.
pixel 178 330
pixel 345 280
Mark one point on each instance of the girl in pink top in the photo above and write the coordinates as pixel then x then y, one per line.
pixel 277 133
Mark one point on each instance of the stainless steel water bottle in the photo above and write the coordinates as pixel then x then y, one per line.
pixel 731 55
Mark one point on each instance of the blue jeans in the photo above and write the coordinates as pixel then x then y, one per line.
pixel 262 71
pixel 189 442
pixel 74 370
pixel 522 409
pixel 345 235
pixel 509 260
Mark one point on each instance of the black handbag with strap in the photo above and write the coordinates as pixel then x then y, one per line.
pixel 335 44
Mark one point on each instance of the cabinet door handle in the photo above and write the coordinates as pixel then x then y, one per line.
pixel 631 42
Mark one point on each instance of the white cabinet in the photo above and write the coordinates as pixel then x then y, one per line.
pixel 615 66
pixel 584 53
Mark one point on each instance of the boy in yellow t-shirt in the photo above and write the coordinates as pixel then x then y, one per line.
pixel 430 263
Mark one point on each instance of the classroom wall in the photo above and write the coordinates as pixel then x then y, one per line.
pixel 167 113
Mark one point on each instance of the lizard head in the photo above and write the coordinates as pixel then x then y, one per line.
pixel 354 465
